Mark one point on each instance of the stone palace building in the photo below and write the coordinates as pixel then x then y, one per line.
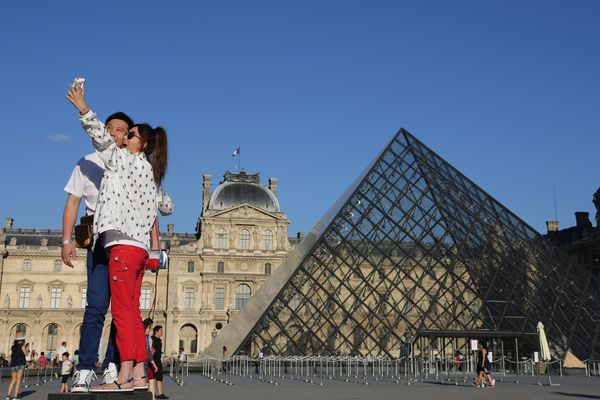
pixel 241 238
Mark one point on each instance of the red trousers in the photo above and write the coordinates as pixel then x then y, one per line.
pixel 126 267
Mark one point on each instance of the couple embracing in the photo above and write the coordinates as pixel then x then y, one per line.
pixel 121 183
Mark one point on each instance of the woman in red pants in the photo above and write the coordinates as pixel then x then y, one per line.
pixel 126 215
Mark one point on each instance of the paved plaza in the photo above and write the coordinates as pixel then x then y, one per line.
pixel 197 386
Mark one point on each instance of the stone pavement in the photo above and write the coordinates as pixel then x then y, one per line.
pixel 197 386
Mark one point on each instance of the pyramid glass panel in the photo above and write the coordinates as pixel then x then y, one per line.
pixel 414 246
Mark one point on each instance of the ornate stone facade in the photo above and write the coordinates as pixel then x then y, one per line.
pixel 242 236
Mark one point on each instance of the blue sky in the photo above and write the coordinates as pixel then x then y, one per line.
pixel 506 91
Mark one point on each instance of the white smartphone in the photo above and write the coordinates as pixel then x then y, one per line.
pixel 78 83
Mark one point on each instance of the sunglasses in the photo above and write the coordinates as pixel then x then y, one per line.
pixel 130 135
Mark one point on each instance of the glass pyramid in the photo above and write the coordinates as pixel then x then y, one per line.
pixel 414 246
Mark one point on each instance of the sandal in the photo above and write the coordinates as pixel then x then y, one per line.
pixel 101 389
pixel 145 387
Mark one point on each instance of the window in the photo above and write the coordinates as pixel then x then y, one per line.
pixel 219 298
pixel 242 296
pixel 268 269
pixel 55 297
pixel 20 330
pixel 190 297
pixel 52 337
pixel 57 265
pixel 244 239
pixel 83 297
pixel 268 240
pixel 145 298
pixel 27 265
pixel 191 266
pixel 221 267
pixel 24 297
pixel 221 242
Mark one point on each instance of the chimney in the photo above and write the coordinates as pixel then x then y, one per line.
pixel 170 229
pixel 552 226
pixel 273 185
pixel 582 219
pixel 8 223
pixel 205 191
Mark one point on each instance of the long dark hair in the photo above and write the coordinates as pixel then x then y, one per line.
pixel 156 149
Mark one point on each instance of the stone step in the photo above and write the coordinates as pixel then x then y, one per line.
pixel 136 395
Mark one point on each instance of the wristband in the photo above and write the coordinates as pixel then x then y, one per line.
pixel 67 241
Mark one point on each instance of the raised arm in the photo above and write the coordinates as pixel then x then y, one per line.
pixel 102 141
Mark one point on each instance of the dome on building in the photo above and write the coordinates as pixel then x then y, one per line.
pixel 241 188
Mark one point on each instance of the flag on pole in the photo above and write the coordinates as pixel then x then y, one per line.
pixel 236 152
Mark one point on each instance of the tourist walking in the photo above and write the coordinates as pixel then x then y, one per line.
pixel 17 367
pixel 151 367
pixel 157 344
pixel 484 366
pixel 66 369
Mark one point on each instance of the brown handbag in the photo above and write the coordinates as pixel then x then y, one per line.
pixel 84 232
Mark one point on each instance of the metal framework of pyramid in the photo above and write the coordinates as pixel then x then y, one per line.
pixel 414 246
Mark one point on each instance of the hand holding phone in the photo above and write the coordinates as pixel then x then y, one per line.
pixel 76 95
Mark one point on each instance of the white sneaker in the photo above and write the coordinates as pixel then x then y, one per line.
pixel 110 374
pixel 493 382
pixel 82 380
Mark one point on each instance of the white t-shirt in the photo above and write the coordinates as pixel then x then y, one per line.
pixel 66 367
pixel 85 180
pixel 60 352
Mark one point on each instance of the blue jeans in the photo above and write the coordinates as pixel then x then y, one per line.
pixel 98 300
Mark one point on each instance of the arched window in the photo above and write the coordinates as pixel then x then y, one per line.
pixel 191 266
pixel 242 296
pixel 220 267
pixel 221 236
pixel 27 265
pixel 244 239
pixel 57 265
pixel 268 269
pixel 20 330
pixel 52 337
pixel 268 240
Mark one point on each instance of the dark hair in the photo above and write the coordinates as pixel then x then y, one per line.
pixel 122 116
pixel 66 354
pixel 76 352
pixel 148 322
pixel 155 140
pixel 63 344
pixel 41 353
pixel 156 329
